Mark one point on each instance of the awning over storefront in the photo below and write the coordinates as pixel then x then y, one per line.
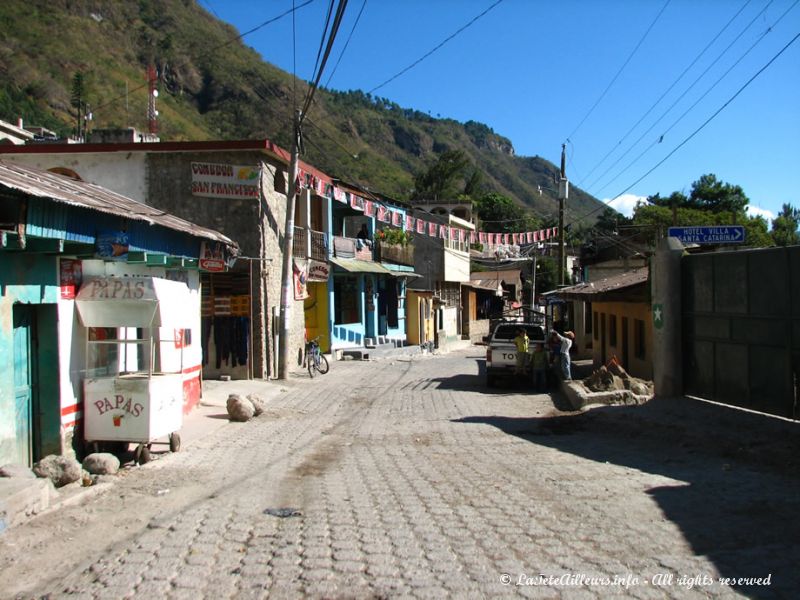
pixel 400 270
pixel 134 302
pixel 360 266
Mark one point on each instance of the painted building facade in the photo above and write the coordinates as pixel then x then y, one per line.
pixel 57 233
pixel 235 187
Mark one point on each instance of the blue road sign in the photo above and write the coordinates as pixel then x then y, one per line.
pixel 709 234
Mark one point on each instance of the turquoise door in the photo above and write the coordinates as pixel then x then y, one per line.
pixel 23 379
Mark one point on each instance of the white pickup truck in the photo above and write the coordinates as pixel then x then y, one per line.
pixel 501 354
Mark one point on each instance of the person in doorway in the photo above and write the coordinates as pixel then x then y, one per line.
pixel 521 343
pixel 363 236
pixel 565 343
pixel 539 367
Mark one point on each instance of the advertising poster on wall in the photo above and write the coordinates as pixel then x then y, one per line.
pixel 211 180
pixel 212 257
pixel 300 276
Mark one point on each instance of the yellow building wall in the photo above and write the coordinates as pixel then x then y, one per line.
pixel 316 312
pixel 414 333
pixel 633 311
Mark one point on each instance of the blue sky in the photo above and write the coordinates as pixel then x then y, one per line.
pixel 534 70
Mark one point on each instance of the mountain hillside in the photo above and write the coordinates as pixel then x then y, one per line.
pixel 212 86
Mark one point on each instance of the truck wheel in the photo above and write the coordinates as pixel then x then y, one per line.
pixel 174 442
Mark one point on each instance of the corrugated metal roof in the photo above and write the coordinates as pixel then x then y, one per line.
pixel 609 284
pixel 482 284
pixel 57 188
pixel 360 266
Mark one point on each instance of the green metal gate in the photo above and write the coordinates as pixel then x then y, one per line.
pixel 741 328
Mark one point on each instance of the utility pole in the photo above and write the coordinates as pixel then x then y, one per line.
pixel 533 283
pixel 288 247
pixel 563 194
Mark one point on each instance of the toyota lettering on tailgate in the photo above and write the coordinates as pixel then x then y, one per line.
pixel 509 356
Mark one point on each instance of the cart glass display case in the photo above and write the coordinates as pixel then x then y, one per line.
pixel 133 383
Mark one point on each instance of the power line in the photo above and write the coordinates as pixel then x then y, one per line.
pixel 437 47
pixel 346 44
pixel 622 68
pixel 701 127
pixel 667 91
pixel 711 118
pixel 683 95
pixel 337 21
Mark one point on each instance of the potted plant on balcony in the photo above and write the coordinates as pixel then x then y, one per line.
pixel 393 237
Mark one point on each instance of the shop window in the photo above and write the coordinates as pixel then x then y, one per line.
pixel 346 300
pixel 612 330
pixel 596 329
pixel 638 339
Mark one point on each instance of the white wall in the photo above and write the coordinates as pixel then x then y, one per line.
pixel 456 265
pixel 121 172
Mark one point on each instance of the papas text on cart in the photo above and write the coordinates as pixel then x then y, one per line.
pixel 119 402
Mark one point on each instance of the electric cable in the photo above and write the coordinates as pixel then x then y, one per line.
pixel 621 69
pixel 711 118
pixel 700 128
pixel 686 91
pixel 346 44
pixel 437 47
pixel 667 91
pixel 337 21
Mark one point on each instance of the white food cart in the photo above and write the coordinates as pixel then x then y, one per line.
pixel 133 386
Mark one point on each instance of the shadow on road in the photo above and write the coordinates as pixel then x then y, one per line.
pixel 740 505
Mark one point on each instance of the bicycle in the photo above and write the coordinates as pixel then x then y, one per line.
pixel 315 361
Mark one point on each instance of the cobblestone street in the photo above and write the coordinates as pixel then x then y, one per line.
pixel 410 478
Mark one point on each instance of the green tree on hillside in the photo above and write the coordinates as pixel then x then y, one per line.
pixel 786 226
pixel 441 180
pixel 500 214
pixel 609 220
pixel 78 99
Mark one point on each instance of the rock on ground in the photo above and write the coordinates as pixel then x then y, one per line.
pixel 61 470
pixel 101 463
pixel 18 471
pixel 240 409
pixel 258 404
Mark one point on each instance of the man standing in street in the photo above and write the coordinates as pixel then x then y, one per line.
pixel 565 342
pixel 521 343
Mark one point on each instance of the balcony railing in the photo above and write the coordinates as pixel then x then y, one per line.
pixel 344 247
pixel 396 253
pixel 319 247
pixel 299 248
pixel 309 244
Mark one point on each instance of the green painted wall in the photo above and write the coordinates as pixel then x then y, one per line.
pixel 30 279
